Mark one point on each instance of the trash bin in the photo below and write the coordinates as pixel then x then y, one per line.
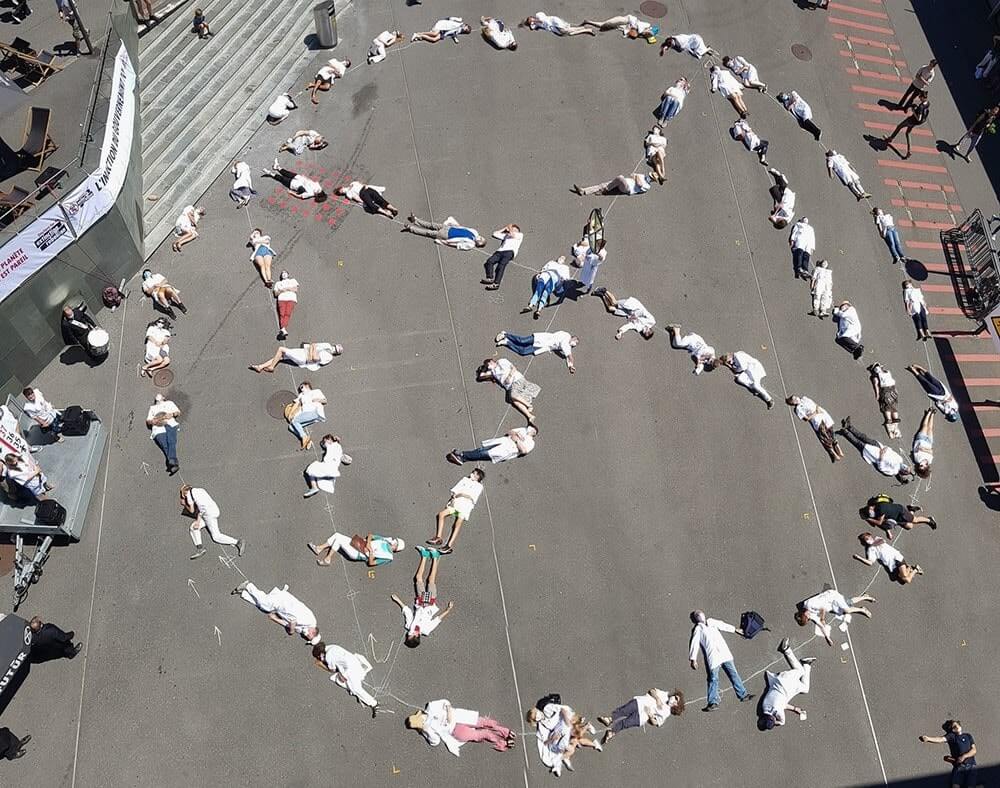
pixel 326 24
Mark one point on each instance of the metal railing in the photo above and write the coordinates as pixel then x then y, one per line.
pixel 969 247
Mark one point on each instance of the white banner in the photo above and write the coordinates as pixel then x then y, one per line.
pixel 11 440
pixel 43 239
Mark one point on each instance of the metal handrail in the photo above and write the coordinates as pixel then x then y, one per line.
pixel 88 122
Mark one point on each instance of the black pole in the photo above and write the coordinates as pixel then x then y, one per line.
pixel 77 23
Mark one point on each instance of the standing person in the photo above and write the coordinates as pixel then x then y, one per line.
pixel 748 372
pixel 322 474
pixel 742 132
pixel 636 183
pixel 706 637
pixel 450 27
pixel 162 292
pixel 802 241
pixel 638 318
pixel 286 294
pixel 916 308
pixel 655 707
pixel 516 443
pixel 829 602
pixel 630 26
pixel 783 210
pixel 242 189
pixel 550 280
pixel 922 451
pixel 882 512
pixel 348 670
pixel 282 607
pixel 591 262
pixel 917 89
pixel 446 233
pixel 520 391
pixel 884 459
pixel 497 33
pixel 887 229
pixel 280 109
pixel 334 69
pixel 692 43
pixel 425 615
pixel 464 496
pixel 655 148
pixel 50 642
pixel 157 351
pixel 672 100
pixel 820 420
pixel 303 140
pixel 821 288
pixel 311 355
pixel 985 121
pixel 962 757
pixel 781 688
pixel 917 117
pixel 745 71
pixel 299 186
pixel 801 111
pixel 554 24
pixel 196 501
pixel 936 391
pixel 11 747
pixel 42 412
pixel 510 238
pixel 440 722
pixel 725 83
pixel 305 410
pixel 838 163
pixel 878 550
pixel 702 354
pixel 76 324
pixel 262 255
pixel 186 226
pixel 381 42
pixel 559 342
pixel 884 387
pixel 161 418
pixel 848 329
pixel 373 549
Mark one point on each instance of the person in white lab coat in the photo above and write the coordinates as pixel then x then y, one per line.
pixel 821 289
pixel 555 24
pixel 638 318
pixel 197 502
pixel 882 458
pixel 323 474
pixel 783 210
pixel 848 329
pixel 347 670
pixel 636 183
pixel 464 497
pixel 630 26
pixel 741 131
pixel 702 354
pixel 282 607
pixel 323 81
pixel 442 723
pixel 520 391
pixel 829 602
pixel 725 83
pixel 450 27
pixel 591 262
pixel 781 689
pixel 312 356
pixel 381 42
pixel 749 373
pixel 425 615
pixel 655 148
pixel 692 43
pixel 820 420
pixel 838 163
pixel 550 280
pixel 242 189
pixel 745 71
pixel 802 241
pixel 497 33
pixel 706 637
pixel 916 308
pixel 516 443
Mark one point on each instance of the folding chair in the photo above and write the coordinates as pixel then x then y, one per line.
pixel 13 204
pixel 39 67
pixel 37 142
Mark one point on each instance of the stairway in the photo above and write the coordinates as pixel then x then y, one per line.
pixel 202 100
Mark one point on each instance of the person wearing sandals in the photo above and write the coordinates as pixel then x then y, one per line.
pixel 373 549
pixel 307 409
pixel 878 550
pixel 464 497
pixel 425 616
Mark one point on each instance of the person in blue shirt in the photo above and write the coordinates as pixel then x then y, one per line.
pixel 962 755
pixel 447 233
pixel 374 550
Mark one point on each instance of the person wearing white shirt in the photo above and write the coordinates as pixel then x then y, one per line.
pixel 801 111
pixel 348 670
pixel 262 254
pixel 554 24
pixel 450 27
pixel 299 186
pixel 516 443
pixel 729 87
pixel 242 189
pixel 381 42
pixel 312 356
pixel 838 163
pixel 630 26
pixel 672 100
pixel 638 318
pixel 520 391
pixel 27 475
pixel 692 43
pixel 285 292
pixel 884 459
pixel 162 422
pixel 308 407
pixel 884 387
pixel 742 132
pixel 425 615
pixel 157 354
pixel 781 689
pixel 636 183
pixel 916 308
pixel 831 602
pixel 591 262
pixel 440 722
pixel 464 496
pixel 887 229
pixel 303 140
pixel 280 109
pixel 559 342
pixel 510 238
pixel 745 71
pixel 162 292
pixel 373 549
pixel 922 79
pixel 749 373
pixel 820 420
pixel 322 474
pixel 655 148
pixel 369 196
pixel 878 550
pixel 42 412
pixel 848 329
pixel 936 391
pixel 186 226
pixel 653 708
pixel 549 281
pixel 706 637
pixel 446 233
pixel 802 240
pixel 284 608
pixel 702 354
pixel 922 451
pixel 784 200
pixel 197 502
pixel 334 69
pixel 497 33
pixel 821 289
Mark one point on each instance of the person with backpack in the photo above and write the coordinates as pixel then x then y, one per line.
pixel 707 638
pixel 882 512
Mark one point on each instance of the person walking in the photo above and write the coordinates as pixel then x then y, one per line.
pixel 916 308
pixel 49 642
pixel 510 237
pixel 425 616
pixel 936 391
pixel 724 83
pixel 882 512
pixel 838 163
pixel 197 502
pixel 464 497
pixel 638 318
pixel 887 229
pixel 985 121
pixel 702 354
pixel 749 373
pixel 816 608
pixel 801 111
pixel 962 753
pixel 884 387
pixel 781 688
pixel 917 116
pixel 821 289
pixel 520 391
pixel 284 608
pixel 706 637
pixel 446 233
pixel 802 241
pixel 306 409
pixel 878 550
pixel 655 707
pixel 559 342
pixel 161 418
pixel 373 549
pixel 821 422
pixel 519 442
pixel 347 670
pixel 742 132
pixel 882 458
pixel 919 86
pixel 672 100
pixel 286 294
pixel 922 450
pixel 848 329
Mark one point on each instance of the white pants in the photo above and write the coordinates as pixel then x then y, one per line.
pixel 265 603
pixel 748 381
pixel 589 272
pixel 823 298
pixel 342 544
pixel 833 601
pixel 211 522
pixel 350 671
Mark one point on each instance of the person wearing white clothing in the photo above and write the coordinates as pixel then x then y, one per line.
pixel 636 183
pixel 781 689
pixel 848 329
pixel 672 100
pixel 550 280
pixel 303 140
pixel 554 24
pixel 440 722
pixel 559 342
pixel 745 71
pixel 692 43
pixel 706 637
pixel 306 410
pixel 280 109
pixel 653 708
pixel 311 355
pixel 373 549
pixel 162 292
pixel 838 163
pixel 922 79
pixel 334 69
pixel 520 391
pixel 630 26
pixel 884 459
pixel 655 148
pixel 516 443
pixel 510 238
pixel 820 420
pixel 816 608
pixel 916 308
pixel 784 200
pixel 186 226
pixel 369 196
pixel 323 474
pixel 729 87
pixel 887 229
pixel 157 354
pixel 702 354
pixel 742 132
pixel 425 616
pixel 464 496
pixel 802 240
pixel 821 289
pixel 242 189
pixel 748 372
pixel 381 42
pixel 922 451
pixel 497 33
pixel 282 607
pixel 42 412
pixel 197 502
pixel 554 735
pixel 348 670
pixel 450 27
pixel 161 418
pixel 801 111
pixel 285 292
pixel 446 233
pixel 591 262
pixel 299 186
pixel 638 318
pixel 878 550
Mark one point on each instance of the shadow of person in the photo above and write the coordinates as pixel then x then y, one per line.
pixel 990 496
pixel 916 270
pixel 945 147
pixel 890 105
pixel 877 143
pixel 75 354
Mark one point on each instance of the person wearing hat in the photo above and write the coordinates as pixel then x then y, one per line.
pixel 282 607
pixel 348 671
pixel 440 722
pixel 425 615
pixel 312 356
pixel 373 549
pixel 781 688
pixel 936 391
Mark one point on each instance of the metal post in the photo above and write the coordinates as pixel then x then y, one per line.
pixel 78 25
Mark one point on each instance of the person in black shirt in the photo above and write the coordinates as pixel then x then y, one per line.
pixel 963 753
pixel 12 747
pixel 50 642
pixel 984 120
pixel 76 324
pixel 882 512
pixel 917 117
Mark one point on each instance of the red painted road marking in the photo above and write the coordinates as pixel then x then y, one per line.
pixel 877 108
pixel 875 91
pixel 927 206
pixel 859 11
pixel 945 310
pixel 923 245
pixel 977 358
pixel 938 268
pixel 910 165
pixel 977 382
pixel 868 42
pixel 921 225
pixel 871 124
pixel 875 75
pixel 834 20
pixel 936 187
pixel 990 432
pixel 938 289
pixel 916 148
pixel 885 61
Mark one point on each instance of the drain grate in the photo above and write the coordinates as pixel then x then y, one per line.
pixel 163 378
pixel 802 52
pixel 653 9
pixel 276 403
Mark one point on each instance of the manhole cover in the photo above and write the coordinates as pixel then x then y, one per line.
pixel 802 52
pixel 653 9
pixel 163 378
pixel 276 403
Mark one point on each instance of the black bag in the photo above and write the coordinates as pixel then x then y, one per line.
pixel 112 297
pixel 49 512
pixel 75 421
pixel 752 622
